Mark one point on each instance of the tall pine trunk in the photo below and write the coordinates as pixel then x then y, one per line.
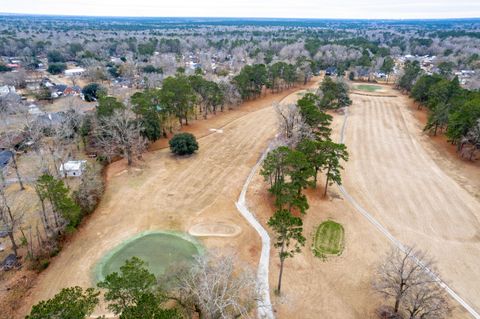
pixel 282 260
pixel 326 183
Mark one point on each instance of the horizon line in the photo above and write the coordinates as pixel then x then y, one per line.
pixel 245 18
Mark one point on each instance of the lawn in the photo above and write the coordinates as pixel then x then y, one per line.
pixel 329 239
pixel 368 88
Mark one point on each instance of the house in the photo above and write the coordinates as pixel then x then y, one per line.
pixel 5 158
pixel 331 71
pixel 74 72
pixel 47 83
pixel 49 119
pixel 32 85
pixel 467 73
pixel 57 90
pixel 73 168
pixel 72 91
pixel 363 75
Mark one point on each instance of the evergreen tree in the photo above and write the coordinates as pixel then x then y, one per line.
pixel 69 303
pixel 178 97
pixel 55 191
pixel 288 237
pixel 332 154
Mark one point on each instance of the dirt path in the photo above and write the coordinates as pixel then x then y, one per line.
pixel 418 203
pixel 167 192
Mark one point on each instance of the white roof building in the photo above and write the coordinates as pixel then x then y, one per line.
pixel 73 168
pixel 73 72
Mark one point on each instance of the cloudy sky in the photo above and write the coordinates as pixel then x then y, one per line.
pixel 367 9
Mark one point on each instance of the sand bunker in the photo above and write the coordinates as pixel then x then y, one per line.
pixel 215 229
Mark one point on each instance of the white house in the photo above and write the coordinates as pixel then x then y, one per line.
pixel 74 72
pixel 73 168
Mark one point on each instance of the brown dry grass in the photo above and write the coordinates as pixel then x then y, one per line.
pixel 168 192
pixel 417 201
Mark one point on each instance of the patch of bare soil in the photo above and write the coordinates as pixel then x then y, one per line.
pixel 168 192
pixel 15 285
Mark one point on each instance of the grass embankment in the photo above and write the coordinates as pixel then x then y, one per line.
pixel 329 239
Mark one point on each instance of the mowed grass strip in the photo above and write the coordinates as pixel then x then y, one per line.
pixel 329 239
pixel 368 88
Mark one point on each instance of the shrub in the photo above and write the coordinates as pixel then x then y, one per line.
pixel 55 56
pixel 183 144
pixel 92 91
pixel 56 68
pixel 151 69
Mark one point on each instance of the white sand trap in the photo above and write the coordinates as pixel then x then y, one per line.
pixel 216 130
pixel 214 229
pixel 121 172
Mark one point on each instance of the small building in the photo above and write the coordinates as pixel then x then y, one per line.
pixel 73 168
pixel 72 91
pixel 57 90
pixel 74 72
pixel 331 71
pixel 49 120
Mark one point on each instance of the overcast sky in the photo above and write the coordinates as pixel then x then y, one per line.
pixel 367 9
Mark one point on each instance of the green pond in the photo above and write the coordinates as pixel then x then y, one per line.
pixel 161 250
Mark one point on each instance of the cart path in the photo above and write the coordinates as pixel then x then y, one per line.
pixel 380 118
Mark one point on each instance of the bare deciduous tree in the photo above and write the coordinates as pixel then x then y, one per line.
pixel 10 220
pixel 292 126
pixel 216 287
pixel 90 190
pixel 120 135
pixel 427 301
pixel 408 278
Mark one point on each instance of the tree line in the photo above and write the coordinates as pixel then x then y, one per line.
pixel 452 109
pixel 120 129
pixel 306 150
pixel 209 288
